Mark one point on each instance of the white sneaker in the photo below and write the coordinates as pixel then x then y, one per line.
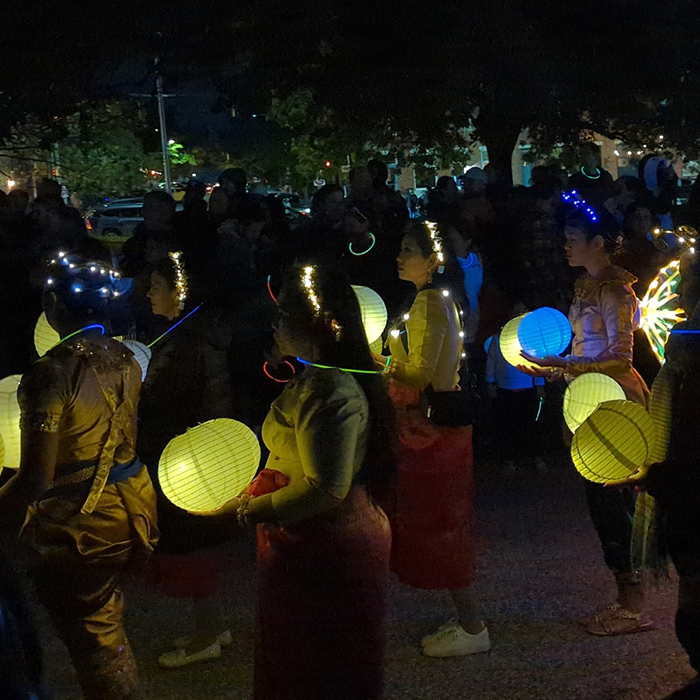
pixel 430 638
pixel 224 639
pixel 179 657
pixel 457 642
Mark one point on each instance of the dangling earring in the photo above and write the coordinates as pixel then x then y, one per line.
pixel 337 328
pixel 430 277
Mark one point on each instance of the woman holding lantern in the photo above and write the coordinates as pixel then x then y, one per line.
pixel 323 546
pixel 432 501
pixel 187 383
pixel 604 315
pixel 88 499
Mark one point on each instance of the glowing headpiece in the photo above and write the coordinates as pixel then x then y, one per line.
pixel 180 277
pixel 436 240
pixel 309 284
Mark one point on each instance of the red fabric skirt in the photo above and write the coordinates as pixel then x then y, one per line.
pixel 431 506
pixel 322 596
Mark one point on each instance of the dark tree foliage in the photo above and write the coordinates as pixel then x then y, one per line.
pixel 386 70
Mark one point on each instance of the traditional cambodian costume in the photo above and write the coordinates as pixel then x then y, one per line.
pixel 323 548
pixel 431 507
pixel 98 517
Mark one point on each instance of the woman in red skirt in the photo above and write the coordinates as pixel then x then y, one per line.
pixel 323 545
pixel 431 510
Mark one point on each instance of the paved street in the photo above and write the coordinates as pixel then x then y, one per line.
pixel 541 568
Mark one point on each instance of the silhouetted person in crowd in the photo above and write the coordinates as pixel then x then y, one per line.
pixel 657 188
pixel 591 182
pixel 153 239
pixel 233 181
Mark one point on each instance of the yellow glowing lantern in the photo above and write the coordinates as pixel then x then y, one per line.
pixel 45 337
pixel 585 394
pixel 373 310
pixel 510 344
pixel 142 354
pixel 9 420
pixel 613 442
pixel 209 465
pixel 2 453
pixel 660 308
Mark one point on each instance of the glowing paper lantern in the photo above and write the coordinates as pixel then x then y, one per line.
pixel 544 331
pixel 377 346
pixel 2 453
pixel 45 337
pixel 660 308
pixel 9 420
pixel 613 442
pixel 585 394
pixel 209 465
pixel 373 310
pixel 510 345
pixel 142 353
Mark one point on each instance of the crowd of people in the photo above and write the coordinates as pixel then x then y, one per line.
pixel 368 449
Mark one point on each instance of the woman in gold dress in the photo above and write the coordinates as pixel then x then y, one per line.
pixel 88 500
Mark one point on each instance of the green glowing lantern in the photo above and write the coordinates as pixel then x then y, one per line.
pixel 585 394
pixel 9 420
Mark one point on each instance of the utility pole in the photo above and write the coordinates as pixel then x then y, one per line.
pixel 163 132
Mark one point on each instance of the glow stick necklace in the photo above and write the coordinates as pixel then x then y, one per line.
pixel 274 379
pixel 342 369
pixel 174 326
pixel 591 177
pixel 74 333
pixel 364 252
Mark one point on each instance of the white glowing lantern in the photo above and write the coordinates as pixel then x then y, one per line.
pixel 585 394
pixel 209 465
pixel 142 354
pixel 510 345
pixel 374 315
pixel 660 308
pixel 9 420
pixel 45 337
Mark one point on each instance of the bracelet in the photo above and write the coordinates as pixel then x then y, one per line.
pixel 243 512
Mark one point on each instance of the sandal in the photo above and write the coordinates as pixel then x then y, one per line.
pixel 616 620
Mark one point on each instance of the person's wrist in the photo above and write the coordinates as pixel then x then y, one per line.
pixel 243 514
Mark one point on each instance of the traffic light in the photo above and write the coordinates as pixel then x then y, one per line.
pixel 328 164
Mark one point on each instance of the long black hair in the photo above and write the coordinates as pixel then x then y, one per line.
pixel 349 351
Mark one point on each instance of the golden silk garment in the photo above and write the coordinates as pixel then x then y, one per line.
pixel 432 350
pixel 604 315
pixel 79 553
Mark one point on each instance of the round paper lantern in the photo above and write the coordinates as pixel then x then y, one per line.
pixel 377 346
pixel 544 331
pixel 585 394
pixel 660 308
pixel 142 353
pixel 2 453
pixel 510 345
pixel 45 337
pixel 613 442
pixel 209 465
pixel 9 420
pixel 373 310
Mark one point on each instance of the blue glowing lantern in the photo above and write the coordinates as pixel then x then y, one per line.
pixel 544 331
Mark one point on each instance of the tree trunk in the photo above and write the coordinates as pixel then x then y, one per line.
pixel 500 139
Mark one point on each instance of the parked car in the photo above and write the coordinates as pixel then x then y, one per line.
pixel 118 218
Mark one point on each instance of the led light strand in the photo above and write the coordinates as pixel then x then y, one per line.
pixel 309 284
pixel 578 202
pixel 180 276
pixel 437 244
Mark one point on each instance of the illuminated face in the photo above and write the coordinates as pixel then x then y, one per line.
pixel 163 297
pixel 412 265
pixel 579 251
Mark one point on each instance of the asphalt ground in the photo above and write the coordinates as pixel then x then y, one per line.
pixel 540 568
